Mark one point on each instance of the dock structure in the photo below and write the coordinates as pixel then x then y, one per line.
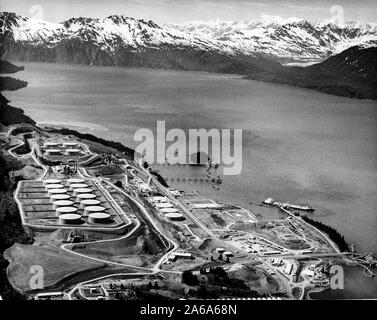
pixel 272 202
pixel 190 179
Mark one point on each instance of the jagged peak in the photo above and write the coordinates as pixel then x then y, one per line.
pixel 277 20
pixel 8 19
pixel 119 18
pixel 271 35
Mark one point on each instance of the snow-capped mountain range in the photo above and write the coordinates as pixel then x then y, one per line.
pixel 285 39
pixel 106 33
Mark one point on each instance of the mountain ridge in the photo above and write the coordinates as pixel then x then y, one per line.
pixel 271 36
pixel 119 40
pixel 288 39
pixel 351 73
pixel 116 41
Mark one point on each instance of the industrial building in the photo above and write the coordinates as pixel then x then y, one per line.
pixel 72 152
pixel 159 199
pixel 50 145
pixel 70 144
pixel 180 255
pixel 53 152
pixel 288 268
pixel 205 204
pixel 228 254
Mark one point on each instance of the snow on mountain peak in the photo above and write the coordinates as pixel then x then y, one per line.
pixel 284 38
pixel 289 38
pixel 276 20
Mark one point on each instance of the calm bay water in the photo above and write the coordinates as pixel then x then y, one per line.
pixel 298 145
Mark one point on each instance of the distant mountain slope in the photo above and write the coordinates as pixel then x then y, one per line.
pixel 122 40
pixel 118 41
pixel 286 39
pixel 351 73
pixel 253 48
pixel 8 114
pixel 7 67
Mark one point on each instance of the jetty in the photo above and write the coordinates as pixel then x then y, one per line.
pixel 272 202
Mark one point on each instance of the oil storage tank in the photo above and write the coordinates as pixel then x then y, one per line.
pixel 62 203
pixel 70 218
pixel 99 217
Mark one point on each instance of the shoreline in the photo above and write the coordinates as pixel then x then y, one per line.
pixel 308 295
pixel 230 75
pixel 66 131
pixel 72 125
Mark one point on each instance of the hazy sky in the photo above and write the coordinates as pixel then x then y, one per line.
pixel 163 11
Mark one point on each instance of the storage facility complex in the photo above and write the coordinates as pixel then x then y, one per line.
pixel 53 203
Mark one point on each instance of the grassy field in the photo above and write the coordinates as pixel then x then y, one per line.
pixel 56 263
pixel 138 250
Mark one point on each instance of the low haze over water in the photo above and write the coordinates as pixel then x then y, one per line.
pixel 299 146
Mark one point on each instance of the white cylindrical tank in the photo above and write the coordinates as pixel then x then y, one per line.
pixel 98 217
pixel 81 190
pixel 63 210
pixel 168 210
pixel 56 191
pixel 75 180
pixel 77 186
pixel 83 196
pixel 56 197
pixel 89 202
pixel 92 209
pixel 164 205
pixel 62 203
pixel 175 216
pixel 51 181
pixel 53 186
pixel 70 218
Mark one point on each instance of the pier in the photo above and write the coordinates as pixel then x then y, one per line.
pixel 272 202
pixel 191 179
pixel 365 261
